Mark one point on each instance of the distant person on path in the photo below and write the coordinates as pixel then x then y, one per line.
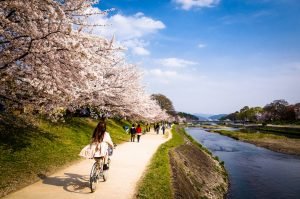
pixel 148 127
pixel 132 133
pixel 138 132
pixel 157 128
pixel 163 128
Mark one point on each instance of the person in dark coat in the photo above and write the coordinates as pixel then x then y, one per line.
pixel 132 133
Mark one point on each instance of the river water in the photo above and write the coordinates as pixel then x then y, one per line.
pixel 254 172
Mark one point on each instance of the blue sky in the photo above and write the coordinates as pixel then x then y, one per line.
pixel 211 56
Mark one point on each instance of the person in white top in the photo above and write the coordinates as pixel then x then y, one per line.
pixel 102 140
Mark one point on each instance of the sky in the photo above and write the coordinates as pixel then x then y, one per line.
pixel 210 56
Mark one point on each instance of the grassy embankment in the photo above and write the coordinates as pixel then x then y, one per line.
pixel 213 126
pixel 284 138
pixel 161 178
pixel 275 142
pixel 282 129
pixel 30 152
pixel 157 181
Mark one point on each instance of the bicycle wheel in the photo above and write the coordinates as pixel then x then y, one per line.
pixel 103 173
pixel 94 177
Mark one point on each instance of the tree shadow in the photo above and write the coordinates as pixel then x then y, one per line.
pixel 70 182
pixel 16 133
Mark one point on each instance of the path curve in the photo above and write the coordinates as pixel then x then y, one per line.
pixel 128 164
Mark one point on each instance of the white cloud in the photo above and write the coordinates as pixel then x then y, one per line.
pixel 175 62
pixel 137 50
pixel 125 27
pixel 129 30
pixel 138 47
pixel 160 73
pixel 201 45
pixel 189 4
pixel 136 26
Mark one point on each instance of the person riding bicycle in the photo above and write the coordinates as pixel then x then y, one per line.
pixel 103 141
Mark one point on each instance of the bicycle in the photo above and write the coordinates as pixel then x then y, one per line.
pixel 97 171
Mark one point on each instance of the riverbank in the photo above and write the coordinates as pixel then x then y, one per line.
pixel 277 143
pixel 254 172
pixel 182 168
pixel 282 129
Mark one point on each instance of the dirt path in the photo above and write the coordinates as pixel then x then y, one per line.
pixel 128 164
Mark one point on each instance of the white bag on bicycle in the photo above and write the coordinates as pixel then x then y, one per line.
pixel 88 151
pixel 92 150
pixel 102 150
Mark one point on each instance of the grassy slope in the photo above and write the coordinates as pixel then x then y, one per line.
pixel 220 166
pixel 28 152
pixel 292 130
pixel 157 181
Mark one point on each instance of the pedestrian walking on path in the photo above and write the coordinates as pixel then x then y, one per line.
pixel 163 128
pixel 157 128
pixel 138 132
pixel 132 133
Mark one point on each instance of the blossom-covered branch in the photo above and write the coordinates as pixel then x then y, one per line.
pixel 49 61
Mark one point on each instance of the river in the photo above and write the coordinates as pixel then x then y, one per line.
pixel 254 172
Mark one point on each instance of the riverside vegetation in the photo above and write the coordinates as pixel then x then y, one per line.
pixel 32 150
pixel 280 139
pixel 274 142
pixel 182 168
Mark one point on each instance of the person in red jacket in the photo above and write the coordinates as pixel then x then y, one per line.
pixel 138 132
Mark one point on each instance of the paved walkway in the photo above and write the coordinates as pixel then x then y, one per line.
pixel 128 164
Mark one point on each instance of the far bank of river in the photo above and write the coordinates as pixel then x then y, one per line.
pixel 254 172
pixel 275 142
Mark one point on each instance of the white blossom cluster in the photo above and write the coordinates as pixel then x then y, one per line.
pixel 50 62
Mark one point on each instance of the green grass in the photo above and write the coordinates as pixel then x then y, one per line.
pixel 212 126
pixel 248 136
pixel 29 152
pixel 293 130
pixel 115 128
pixel 157 181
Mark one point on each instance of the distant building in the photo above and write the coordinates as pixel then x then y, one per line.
pixel 227 121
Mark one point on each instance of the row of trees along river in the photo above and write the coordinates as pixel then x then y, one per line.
pixel 278 111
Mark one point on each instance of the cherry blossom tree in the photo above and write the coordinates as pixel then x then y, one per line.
pixel 49 61
pixel 40 55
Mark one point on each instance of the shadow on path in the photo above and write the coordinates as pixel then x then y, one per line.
pixel 70 182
